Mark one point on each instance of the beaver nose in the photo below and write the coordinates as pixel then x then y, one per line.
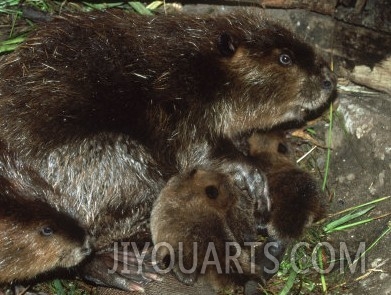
pixel 329 79
pixel 85 251
pixel 86 248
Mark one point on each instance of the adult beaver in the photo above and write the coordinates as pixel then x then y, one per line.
pixel 108 105
pixel 35 238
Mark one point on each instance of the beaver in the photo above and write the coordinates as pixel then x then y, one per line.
pixel 35 238
pixel 199 214
pixel 108 105
pixel 187 211
pixel 176 215
pixel 296 197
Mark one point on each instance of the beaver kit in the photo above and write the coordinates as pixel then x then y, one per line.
pixel 205 207
pixel 107 106
pixel 291 209
pixel 35 238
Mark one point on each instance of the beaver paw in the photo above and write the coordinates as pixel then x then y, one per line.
pixel 249 179
pixel 121 269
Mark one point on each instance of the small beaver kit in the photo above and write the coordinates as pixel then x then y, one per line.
pixel 35 238
pixel 295 196
pixel 207 208
pixel 107 106
pixel 203 216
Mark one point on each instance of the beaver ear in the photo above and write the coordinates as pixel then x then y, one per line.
pixel 225 44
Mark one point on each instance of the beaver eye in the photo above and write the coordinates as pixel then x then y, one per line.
pixel 285 59
pixel 46 231
pixel 212 192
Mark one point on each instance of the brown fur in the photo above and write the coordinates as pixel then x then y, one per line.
pixel 184 213
pixel 296 198
pixel 107 106
pixel 34 237
pixel 203 207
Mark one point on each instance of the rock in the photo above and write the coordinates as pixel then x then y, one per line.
pixel 360 172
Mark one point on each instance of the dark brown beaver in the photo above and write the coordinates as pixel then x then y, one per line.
pixel 35 238
pixel 107 106
pixel 200 216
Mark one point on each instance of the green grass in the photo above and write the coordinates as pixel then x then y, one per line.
pixel 306 280
pixel 329 140
pixel 11 44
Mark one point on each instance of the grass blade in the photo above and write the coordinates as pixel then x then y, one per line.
pixel 329 228
pixel 7 48
pixel 16 40
pixel 343 227
pixel 326 173
pixel 289 283
pixel 322 276
pixel 103 6
pixel 388 230
pixel 362 205
pixel 58 287
pixel 140 8
pixel 11 44
pixel 154 5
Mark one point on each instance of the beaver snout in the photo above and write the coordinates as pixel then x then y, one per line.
pixel 86 249
pixel 329 81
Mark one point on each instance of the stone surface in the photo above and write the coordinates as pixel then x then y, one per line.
pixel 361 172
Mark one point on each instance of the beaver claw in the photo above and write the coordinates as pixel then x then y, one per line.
pixel 121 269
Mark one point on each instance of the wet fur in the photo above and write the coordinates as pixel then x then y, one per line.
pixel 184 213
pixel 296 197
pixel 35 238
pixel 90 122
pixel 204 207
pixel 107 106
